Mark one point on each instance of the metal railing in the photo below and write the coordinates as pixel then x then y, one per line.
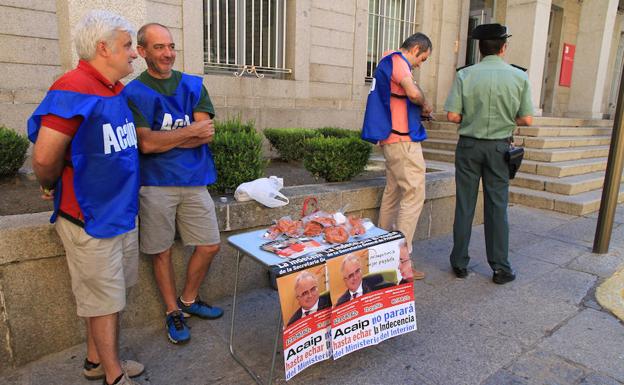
pixel 389 23
pixel 245 36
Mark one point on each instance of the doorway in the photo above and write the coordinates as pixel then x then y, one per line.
pixel 551 61
pixel 481 12
pixel 617 75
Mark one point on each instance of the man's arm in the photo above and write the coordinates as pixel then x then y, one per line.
pixel 415 94
pixel 199 116
pixel 161 141
pixel 49 156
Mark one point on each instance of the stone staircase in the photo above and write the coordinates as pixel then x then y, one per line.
pixel 564 162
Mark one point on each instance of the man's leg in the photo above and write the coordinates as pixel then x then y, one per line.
pixel 391 195
pixel 198 266
pixel 92 354
pixel 105 332
pixel 197 222
pixel 467 175
pixel 165 279
pixel 411 182
pixel 496 193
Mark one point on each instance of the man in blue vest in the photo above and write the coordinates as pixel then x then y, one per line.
pixel 393 120
pixel 85 157
pixel 173 116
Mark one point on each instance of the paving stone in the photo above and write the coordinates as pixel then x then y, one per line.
pixel 504 377
pixel 534 220
pixel 602 265
pixel 554 251
pixel 541 367
pixel 563 285
pixel 579 231
pixel 599 379
pixel 588 339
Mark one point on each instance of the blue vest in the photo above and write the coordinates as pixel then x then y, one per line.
pixel 104 156
pixel 178 166
pixel 377 117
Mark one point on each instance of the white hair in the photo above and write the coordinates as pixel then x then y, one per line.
pixel 304 275
pixel 95 26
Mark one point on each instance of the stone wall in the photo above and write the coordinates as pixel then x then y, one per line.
pixel 37 311
pixel 29 58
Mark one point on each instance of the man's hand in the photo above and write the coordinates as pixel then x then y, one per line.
pixel 427 109
pixel 203 131
pixel 46 193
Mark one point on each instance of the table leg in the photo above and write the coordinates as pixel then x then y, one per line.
pixel 236 357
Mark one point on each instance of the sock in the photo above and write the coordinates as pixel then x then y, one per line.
pixel 116 380
pixel 186 303
pixel 90 365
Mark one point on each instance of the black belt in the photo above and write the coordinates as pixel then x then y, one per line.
pixel 506 140
pixel 398 96
pixel 70 218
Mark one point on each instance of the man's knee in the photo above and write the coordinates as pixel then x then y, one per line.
pixel 208 250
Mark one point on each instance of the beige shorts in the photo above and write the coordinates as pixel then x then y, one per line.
pixel 190 207
pixel 100 268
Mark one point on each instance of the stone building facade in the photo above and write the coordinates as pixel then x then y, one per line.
pixel 327 50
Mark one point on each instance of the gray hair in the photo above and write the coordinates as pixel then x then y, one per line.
pixel 350 258
pixel 418 39
pixel 304 275
pixel 95 26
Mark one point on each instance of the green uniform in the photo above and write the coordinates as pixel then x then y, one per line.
pixel 489 96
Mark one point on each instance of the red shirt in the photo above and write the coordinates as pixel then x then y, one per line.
pixel 85 79
pixel 398 106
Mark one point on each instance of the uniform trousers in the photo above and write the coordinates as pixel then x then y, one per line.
pixel 475 160
pixel 404 195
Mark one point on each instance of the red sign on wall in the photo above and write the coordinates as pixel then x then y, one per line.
pixel 567 62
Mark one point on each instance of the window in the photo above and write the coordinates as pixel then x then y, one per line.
pixel 390 22
pixel 245 36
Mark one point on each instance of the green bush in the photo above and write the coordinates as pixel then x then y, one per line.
pixel 336 159
pixel 336 132
pixel 289 142
pixel 237 152
pixel 13 148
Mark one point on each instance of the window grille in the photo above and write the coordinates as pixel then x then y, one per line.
pixel 246 36
pixel 390 22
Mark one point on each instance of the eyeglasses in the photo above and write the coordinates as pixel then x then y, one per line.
pixel 357 272
pixel 308 292
pixel 404 260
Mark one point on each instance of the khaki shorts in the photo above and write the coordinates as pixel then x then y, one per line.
pixel 190 207
pixel 101 269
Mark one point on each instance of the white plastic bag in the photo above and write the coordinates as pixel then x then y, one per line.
pixel 262 190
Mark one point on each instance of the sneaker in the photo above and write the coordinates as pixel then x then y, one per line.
pixel 125 380
pixel 96 371
pixel 418 274
pixel 200 309
pixel 177 330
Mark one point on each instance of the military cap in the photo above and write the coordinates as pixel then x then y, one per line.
pixel 490 32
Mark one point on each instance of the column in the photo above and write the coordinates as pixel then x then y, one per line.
pixel 528 23
pixel 593 46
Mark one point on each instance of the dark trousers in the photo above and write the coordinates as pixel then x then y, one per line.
pixel 477 159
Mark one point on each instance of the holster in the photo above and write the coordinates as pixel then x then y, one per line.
pixel 514 156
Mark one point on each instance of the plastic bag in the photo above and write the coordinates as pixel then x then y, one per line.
pixel 262 190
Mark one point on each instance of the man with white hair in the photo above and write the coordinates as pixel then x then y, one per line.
pixel 307 294
pixel 85 157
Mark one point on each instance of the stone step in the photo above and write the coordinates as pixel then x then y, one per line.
pixel 564 141
pixel 561 131
pixel 434 125
pixel 442 134
pixel 571 122
pixel 563 154
pixel 570 185
pixel 439 155
pixel 565 168
pixel 579 204
pixel 440 144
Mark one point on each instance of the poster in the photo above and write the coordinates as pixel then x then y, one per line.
pixel 345 298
